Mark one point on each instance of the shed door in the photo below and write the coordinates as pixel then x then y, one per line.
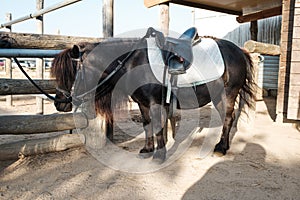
pixel 268 74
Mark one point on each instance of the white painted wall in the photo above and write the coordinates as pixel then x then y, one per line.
pixel 214 23
pixel 225 26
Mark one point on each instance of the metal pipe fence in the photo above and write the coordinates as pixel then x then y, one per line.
pixel 39 13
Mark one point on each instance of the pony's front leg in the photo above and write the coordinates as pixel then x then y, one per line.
pixel 110 130
pixel 148 149
pixel 172 120
pixel 160 153
pixel 159 123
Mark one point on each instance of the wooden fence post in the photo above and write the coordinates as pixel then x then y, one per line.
pixel 8 65
pixel 108 18
pixel 164 18
pixel 39 61
pixel 254 30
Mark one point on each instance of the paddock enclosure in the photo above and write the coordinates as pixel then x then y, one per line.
pixel 40 159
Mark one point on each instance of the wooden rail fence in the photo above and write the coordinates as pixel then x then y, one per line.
pixel 37 124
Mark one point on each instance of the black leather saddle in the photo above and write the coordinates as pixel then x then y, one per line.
pixel 177 52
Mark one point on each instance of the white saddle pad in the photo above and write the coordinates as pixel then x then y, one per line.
pixel 208 64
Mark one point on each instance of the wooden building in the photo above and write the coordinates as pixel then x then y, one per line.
pixel 288 97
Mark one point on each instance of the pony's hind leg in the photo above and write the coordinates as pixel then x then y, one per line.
pixel 225 108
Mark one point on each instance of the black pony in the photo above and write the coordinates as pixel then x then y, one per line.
pixel 122 65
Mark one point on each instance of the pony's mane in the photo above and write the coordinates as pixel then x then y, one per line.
pixel 208 36
pixel 63 69
pixel 103 96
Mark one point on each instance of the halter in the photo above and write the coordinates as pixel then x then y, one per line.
pixel 66 94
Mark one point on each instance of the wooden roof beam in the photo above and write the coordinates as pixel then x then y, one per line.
pixel 151 3
pixel 207 7
pixel 260 15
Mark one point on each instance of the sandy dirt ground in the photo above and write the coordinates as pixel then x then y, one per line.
pixel 262 163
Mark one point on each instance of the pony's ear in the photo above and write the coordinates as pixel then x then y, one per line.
pixel 75 53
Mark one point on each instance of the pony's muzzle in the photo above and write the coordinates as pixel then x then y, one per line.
pixel 63 107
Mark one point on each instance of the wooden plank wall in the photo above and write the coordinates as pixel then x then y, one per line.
pixel 285 58
pixel 293 111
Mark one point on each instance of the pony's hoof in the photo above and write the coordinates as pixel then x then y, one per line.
pixel 159 156
pixel 218 154
pixel 220 150
pixel 145 153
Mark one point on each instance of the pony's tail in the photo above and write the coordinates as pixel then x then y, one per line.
pixel 247 92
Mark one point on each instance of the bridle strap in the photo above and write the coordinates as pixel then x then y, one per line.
pixel 67 100
pixel 66 94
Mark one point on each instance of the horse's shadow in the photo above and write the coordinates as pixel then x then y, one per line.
pixel 247 176
pixel 214 172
